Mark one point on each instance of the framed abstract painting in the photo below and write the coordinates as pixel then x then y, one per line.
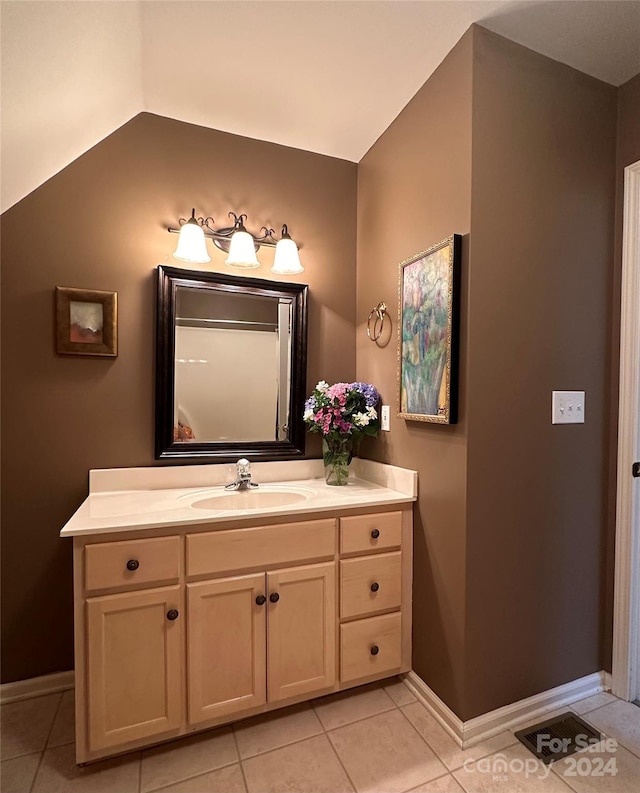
pixel 86 322
pixel 428 306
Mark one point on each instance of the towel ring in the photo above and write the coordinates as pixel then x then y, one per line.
pixel 378 314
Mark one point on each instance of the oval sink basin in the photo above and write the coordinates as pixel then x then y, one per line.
pixel 251 499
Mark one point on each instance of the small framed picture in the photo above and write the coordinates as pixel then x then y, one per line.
pixel 428 296
pixel 86 322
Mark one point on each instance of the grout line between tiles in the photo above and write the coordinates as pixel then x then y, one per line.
pixel 402 683
pixel 140 774
pixel 562 778
pixel 513 743
pixel 432 781
pixel 187 778
pixel 313 707
pixel 37 751
pixel 283 746
pixel 621 743
pixel 53 721
pixel 197 776
pixel 631 751
pixel 26 754
pixel 416 730
pixel 460 782
pixel 375 686
pixel 593 710
pixel 355 721
pixel 235 738
pixel 342 765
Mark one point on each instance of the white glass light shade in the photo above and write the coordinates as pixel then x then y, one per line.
pixel 287 259
pixel 242 252
pixel 192 245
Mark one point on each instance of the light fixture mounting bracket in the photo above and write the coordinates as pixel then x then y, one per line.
pixel 222 237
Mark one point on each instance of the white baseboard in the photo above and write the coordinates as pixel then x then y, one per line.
pixel 36 687
pixel 438 709
pixel 468 733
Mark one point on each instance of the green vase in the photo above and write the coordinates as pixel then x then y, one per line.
pixel 337 455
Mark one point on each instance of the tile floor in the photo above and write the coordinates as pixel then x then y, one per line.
pixel 376 739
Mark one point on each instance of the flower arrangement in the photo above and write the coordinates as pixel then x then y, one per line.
pixel 343 414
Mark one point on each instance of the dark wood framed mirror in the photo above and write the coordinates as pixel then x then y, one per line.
pixel 231 362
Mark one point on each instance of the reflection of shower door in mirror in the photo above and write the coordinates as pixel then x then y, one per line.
pixel 231 373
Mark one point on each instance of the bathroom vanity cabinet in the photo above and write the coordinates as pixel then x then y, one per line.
pixel 184 627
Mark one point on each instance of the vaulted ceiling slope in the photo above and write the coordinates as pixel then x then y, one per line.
pixel 324 76
pixel 71 75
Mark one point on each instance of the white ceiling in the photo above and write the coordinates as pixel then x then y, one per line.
pixel 324 75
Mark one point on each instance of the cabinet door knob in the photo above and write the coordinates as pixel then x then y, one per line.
pixel 375 534
pixel 172 614
pixel 133 564
pixel 375 586
pixel 375 650
pixel 261 600
pixel 274 597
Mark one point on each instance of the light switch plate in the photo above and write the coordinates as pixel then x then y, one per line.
pixel 567 407
pixel 384 418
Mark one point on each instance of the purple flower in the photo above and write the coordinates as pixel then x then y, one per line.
pixel 370 393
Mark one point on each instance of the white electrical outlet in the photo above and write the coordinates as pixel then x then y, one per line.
pixel 567 407
pixel 384 418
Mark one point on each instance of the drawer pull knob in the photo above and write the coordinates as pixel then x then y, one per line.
pixel 172 614
pixel 261 600
pixel 375 586
pixel 274 597
pixel 133 564
pixel 375 650
pixel 375 534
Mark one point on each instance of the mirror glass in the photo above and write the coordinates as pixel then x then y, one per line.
pixel 231 366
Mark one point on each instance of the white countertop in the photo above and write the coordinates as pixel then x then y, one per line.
pixel 147 498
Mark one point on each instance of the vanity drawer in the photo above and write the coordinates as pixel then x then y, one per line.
pixel 370 584
pixel 376 532
pixel 243 549
pixel 359 641
pixel 120 564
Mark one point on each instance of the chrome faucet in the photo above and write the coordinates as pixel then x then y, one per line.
pixel 243 477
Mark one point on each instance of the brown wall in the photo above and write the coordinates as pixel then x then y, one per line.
pixel 101 224
pixel 541 256
pixel 510 520
pixel 627 152
pixel 414 189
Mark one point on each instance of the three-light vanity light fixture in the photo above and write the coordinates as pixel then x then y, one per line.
pixel 240 245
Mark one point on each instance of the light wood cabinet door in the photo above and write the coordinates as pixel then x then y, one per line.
pixel 226 646
pixel 134 684
pixel 302 630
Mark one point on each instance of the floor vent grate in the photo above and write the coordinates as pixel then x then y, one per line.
pixel 558 737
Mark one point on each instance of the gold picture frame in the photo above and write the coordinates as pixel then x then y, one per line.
pixel 428 297
pixel 86 322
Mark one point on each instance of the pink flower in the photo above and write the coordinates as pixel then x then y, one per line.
pixel 338 391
